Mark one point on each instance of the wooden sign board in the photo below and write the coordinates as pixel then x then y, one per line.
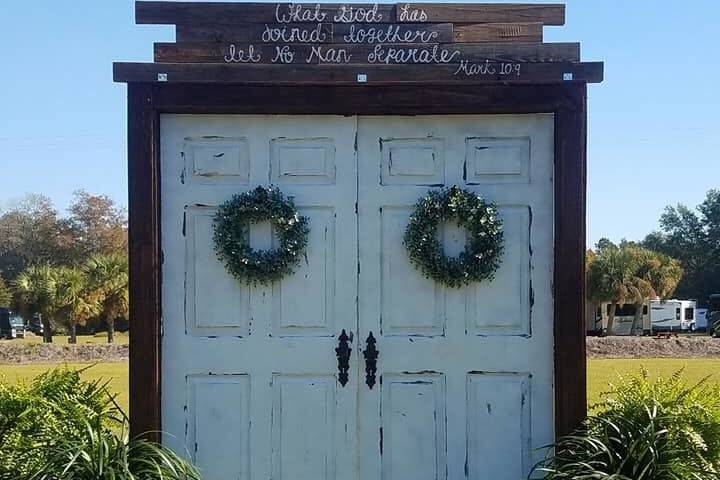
pixel 359 44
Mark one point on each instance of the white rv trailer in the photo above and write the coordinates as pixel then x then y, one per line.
pixel 597 319
pixel 673 315
pixel 658 315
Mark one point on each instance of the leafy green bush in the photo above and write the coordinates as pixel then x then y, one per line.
pixel 644 430
pixel 55 405
pixel 62 427
pixel 98 454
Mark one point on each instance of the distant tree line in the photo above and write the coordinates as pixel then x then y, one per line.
pixel 692 237
pixel 73 269
pixel 681 259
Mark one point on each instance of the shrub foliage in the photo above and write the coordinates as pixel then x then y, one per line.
pixel 62 427
pixel 644 429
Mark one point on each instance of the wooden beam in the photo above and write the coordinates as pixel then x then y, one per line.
pixel 547 14
pixel 499 32
pixel 365 54
pixel 570 181
pixel 359 100
pixel 144 261
pixel 462 73
pixel 173 13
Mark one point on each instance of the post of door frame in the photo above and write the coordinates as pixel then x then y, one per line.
pixel 147 101
pixel 145 261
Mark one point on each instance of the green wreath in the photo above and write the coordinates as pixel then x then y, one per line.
pixel 483 250
pixel 232 230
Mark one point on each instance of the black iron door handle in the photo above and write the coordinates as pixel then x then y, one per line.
pixel 371 354
pixel 343 357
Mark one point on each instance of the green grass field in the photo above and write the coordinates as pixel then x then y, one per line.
pixel 600 372
pixel 603 371
pixel 116 373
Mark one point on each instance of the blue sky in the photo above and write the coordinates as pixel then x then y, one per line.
pixel 654 129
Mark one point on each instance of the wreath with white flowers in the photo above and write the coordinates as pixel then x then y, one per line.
pixel 232 231
pixel 484 247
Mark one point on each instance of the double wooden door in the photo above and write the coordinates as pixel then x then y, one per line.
pixel 251 387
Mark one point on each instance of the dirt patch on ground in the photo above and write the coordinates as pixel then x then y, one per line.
pixel 16 352
pixel 12 351
pixel 650 347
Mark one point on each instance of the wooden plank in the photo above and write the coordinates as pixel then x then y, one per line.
pixel 365 54
pixel 547 14
pixel 256 32
pixel 499 32
pixel 174 13
pixel 358 100
pixel 145 261
pixel 317 33
pixel 569 270
pixel 464 72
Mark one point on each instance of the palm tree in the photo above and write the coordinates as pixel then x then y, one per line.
pixel 658 272
pixel 36 289
pixel 612 278
pixel 643 262
pixel 628 273
pixel 664 274
pixel 74 301
pixel 108 278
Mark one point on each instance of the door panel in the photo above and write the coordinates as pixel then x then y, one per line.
pixel 489 308
pixel 304 427
pixel 413 426
pixel 304 303
pixel 456 366
pixel 424 316
pixel 250 373
pixel 499 440
pixel 215 304
pixel 219 424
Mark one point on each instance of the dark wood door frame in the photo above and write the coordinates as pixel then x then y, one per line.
pixel 146 101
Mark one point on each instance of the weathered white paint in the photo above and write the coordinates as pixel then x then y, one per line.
pixel 275 344
pixel 249 373
pixel 456 351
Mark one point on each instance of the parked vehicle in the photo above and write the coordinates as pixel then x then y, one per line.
pixel 35 325
pixel 623 320
pixel 18 326
pixel 657 316
pixel 673 315
pixel 701 324
pixel 11 324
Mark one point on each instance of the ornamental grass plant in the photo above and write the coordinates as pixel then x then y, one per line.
pixel 644 429
pixel 60 427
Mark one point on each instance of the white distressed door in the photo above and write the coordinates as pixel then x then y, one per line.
pixel 250 373
pixel 465 375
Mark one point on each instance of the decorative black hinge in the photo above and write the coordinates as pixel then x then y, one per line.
pixel 371 354
pixel 343 355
